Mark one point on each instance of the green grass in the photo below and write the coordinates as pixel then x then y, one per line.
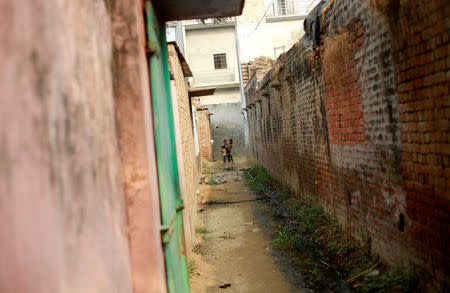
pixel 201 230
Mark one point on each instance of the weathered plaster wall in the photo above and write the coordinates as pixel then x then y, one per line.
pixel 227 122
pixel 370 144
pixel 62 210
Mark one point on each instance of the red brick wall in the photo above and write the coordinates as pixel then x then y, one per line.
pixel 422 64
pixel 369 145
pixel 204 134
pixel 343 102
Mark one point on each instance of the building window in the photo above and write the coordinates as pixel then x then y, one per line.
pixel 220 61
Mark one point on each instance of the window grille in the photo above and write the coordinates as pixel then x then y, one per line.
pixel 220 61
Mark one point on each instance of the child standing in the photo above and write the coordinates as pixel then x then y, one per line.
pixel 230 145
pixel 224 153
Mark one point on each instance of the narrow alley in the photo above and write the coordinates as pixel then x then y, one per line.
pixel 233 241
pixel 234 247
pixel 244 146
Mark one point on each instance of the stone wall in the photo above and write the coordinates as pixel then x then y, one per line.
pixel 370 142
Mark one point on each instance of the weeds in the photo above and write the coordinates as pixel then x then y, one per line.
pixel 215 202
pixel 400 279
pixel 314 280
pixel 212 181
pixel 199 249
pixel 349 256
pixel 201 230
pixel 192 268
pixel 283 240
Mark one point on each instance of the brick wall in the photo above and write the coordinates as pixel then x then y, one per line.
pixel 370 144
pixel 190 169
pixel 204 133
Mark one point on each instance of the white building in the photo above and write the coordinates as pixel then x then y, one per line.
pixel 211 50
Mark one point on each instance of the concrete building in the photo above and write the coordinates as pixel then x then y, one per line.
pixel 211 49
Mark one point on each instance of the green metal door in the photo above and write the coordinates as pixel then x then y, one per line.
pixel 169 189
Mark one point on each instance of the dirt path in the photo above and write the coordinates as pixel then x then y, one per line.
pixel 235 248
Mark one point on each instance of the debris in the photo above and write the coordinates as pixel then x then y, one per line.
pixel 229 168
pixel 226 237
pixel 362 273
pixel 224 286
pixel 248 224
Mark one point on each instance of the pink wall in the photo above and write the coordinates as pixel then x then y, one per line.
pixel 62 211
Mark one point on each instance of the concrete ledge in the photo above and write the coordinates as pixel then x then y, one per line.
pixel 285 18
pixel 219 86
pixel 200 26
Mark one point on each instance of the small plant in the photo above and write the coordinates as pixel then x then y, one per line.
pixel 262 176
pixel 308 261
pixel 198 249
pixel 192 268
pixel 212 181
pixel 201 230
pixel 283 240
pixel 255 187
pixel 314 280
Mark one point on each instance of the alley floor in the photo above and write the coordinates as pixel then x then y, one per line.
pixel 232 247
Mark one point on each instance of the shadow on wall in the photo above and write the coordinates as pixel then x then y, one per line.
pixel 227 122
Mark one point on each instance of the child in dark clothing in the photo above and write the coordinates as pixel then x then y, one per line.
pixel 230 145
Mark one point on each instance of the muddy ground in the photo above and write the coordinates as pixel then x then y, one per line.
pixel 233 239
